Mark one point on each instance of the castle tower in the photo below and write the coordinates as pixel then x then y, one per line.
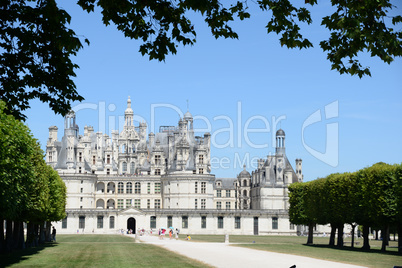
pixel 128 115
pixel 280 142
pixel 299 172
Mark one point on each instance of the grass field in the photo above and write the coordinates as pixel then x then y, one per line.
pixel 121 251
pixel 320 250
pixel 96 251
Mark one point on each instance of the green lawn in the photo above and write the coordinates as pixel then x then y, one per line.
pixel 320 250
pixel 96 251
pixel 121 251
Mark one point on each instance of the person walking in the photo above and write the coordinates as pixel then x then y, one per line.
pixel 54 234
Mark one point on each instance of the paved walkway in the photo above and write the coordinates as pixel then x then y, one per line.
pixel 224 255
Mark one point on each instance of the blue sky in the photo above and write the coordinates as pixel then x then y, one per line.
pixel 241 91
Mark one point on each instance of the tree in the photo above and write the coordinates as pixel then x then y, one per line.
pixel 36 46
pixel 35 56
pixel 30 190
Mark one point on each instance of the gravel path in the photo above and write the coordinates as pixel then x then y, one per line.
pixel 224 255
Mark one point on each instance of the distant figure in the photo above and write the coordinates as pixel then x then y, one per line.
pixel 170 234
pixel 177 235
pixel 188 238
pixel 54 234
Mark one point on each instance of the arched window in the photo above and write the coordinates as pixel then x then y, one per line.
pixel 120 188
pixel 137 188
pixel 124 167
pixel 245 192
pixel 129 188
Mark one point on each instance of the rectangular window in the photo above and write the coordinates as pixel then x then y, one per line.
pixel 137 187
pixel 203 203
pixel 152 223
pixel 148 203
pixel 218 193
pixel 195 203
pixel 292 226
pixel 100 222
pixel 120 203
pixel 227 193
pixel 237 222
pixel 137 203
pixel 158 160
pixel 111 222
pixel 81 198
pixel 64 223
pixel 201 159
pixel 274 223
pixel 157 187
pixel 184 223
pixel 81 223
pixel 227 205
pixel 203 187
pixel 170 221
pixel 120 188
pixel 157 171
pixel 108 159
pixel 196 187
pixel 80 157
pixel 220 222
pixel 128 203
pixel 157 203
pixel 129 188
pixel 201 171
pixel 93 159
pixel 203 222
pixel 82 190
pixel 218 205
pixel 148 187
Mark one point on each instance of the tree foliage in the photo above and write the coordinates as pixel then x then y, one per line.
pixel 370 197
pixel 30 190
pixel 35 56
pixel 36 45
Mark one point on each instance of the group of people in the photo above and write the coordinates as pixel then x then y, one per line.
pixel 162 233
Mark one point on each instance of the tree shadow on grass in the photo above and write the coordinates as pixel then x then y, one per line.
pixel 16 256
pixel 354 249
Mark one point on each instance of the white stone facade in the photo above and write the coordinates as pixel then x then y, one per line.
pixel 131 182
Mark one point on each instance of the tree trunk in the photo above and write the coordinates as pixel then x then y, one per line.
pixel 376 234
pixel 340 236
pixel 41 233
pixel 9 235
pixel 1 235
pixel 366 243
pixel 48 233
pixel 310 234
pixel 399 228
pixel 353 236
pixel 16 234
pixel 385 237
pixel 21 240
pixel 36 232
pixel 332 236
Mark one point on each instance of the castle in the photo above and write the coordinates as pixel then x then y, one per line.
pixel 131 181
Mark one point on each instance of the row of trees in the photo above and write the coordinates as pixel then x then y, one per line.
pixel 370 197
pixel 30 191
